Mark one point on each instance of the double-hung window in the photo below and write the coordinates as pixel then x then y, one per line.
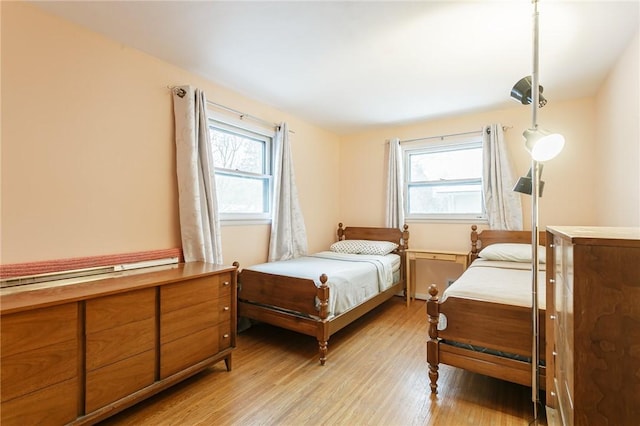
pixel 242 160
pixel 443 181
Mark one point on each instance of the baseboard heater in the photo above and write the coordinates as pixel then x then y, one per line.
pixel 85 272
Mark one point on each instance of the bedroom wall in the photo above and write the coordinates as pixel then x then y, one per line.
pixel 88 150
pixel 618 142
pixel 568 197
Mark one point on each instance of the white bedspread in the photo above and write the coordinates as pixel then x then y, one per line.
pixel 353 278
pixel 499 282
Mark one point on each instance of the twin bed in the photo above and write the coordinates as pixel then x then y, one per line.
pixel 319 294
pixel 483 321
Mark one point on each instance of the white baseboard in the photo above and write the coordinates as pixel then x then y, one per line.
pixel 422 296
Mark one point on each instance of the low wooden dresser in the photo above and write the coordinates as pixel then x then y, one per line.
pixel 593 325
pixel 78 352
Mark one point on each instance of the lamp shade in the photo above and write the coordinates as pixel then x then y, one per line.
pixel 542 144
pixel 525 183
pixel 521 92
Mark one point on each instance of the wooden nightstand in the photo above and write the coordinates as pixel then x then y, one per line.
pixel 441 255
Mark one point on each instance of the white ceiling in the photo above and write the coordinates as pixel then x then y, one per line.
pixel 351 65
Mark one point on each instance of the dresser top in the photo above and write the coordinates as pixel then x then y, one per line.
pixel 599 235
pixel 31 296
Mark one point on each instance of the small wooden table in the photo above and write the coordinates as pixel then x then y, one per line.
pixel 414 254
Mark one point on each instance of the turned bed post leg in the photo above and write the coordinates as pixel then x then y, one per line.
pixel 322 346
pixel 323 325
pixel 433 342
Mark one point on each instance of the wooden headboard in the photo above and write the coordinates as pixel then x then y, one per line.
pixel 394 235
pixel 487 237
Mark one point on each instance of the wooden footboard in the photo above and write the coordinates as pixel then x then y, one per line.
pixel 494 326
pixel 259 301
pixel 301 293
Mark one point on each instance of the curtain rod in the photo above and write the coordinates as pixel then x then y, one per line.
pixel 243 115
pixel 441 137
pixel 180 92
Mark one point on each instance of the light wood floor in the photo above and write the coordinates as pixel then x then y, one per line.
pixel 376 374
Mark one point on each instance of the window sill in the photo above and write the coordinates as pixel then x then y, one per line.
pixel 244 222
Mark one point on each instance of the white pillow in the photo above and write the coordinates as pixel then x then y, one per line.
pixel 512 252
pixel 363 247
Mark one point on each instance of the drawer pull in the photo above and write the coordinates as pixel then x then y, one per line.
pixel 226 308
pixel 552 317
pixel 226 283
pixel 225 336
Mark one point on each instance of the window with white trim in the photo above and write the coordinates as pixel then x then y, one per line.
pixel 443 181
pixel 242 160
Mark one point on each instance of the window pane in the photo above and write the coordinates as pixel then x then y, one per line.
pixel 445 199
pixel 237 152
pixel 446 165
pixel 242 194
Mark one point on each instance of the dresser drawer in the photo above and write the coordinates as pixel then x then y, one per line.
pixel 188 350
pixel 27 372
pixel 51 405
pixel 39 349
pixel 183 322
pixel 117 380
pixel 25 331
pixel 191 292
pixel 112 311
pixel 115 344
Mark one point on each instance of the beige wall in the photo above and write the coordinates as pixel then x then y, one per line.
pixel 88 151
pixel 567 198
pixel 618 142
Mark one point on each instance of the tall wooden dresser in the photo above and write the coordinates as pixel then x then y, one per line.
pixel 76 353
pixel 593 325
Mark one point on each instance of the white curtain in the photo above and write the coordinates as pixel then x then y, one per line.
pixel 395 202
pixel 199 219
pixel 503 205
pixel 288 233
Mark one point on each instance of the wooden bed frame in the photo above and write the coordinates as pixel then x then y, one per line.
pixel 496 326
pixel 290 303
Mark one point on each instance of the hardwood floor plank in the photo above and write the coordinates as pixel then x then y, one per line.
pixel 376 374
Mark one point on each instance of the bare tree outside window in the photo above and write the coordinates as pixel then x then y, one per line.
pixel 242 169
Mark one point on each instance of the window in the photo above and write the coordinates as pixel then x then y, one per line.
pixel 242 160
pixel 444 181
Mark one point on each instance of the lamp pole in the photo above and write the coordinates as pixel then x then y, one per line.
pixel 535 179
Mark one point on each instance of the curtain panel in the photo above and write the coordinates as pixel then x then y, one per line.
pixel 199 218
pixel 288 233
pixel 395 181
pixel 502 204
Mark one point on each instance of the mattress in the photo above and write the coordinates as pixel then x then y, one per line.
pixel 353 278
pixel 503 282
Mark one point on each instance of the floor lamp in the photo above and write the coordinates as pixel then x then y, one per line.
pixel 542 145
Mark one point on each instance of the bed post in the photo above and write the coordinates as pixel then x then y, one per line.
pixel 433 342
pixel 323 330
pixel 340 231
pixel 474 244
pixel 405 237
